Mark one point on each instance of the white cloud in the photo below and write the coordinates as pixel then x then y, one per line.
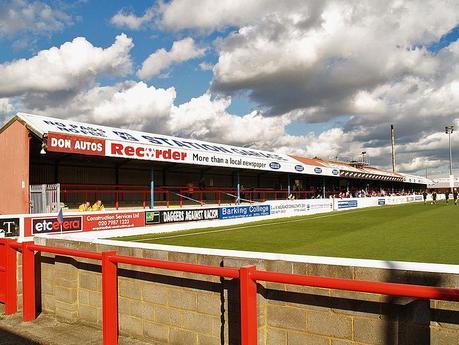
pixel 286 63
pixel 127 104
pixel 205 66
pixel 33 17
pixel 419 163
pixel 162 59
pixel 354 67
pixel 207 118
pixel 330 143
pixel 210 14
pixel 5 109
pixel 5 105
pixel 66 68
pixel 124 19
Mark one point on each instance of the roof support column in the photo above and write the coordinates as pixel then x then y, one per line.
pixel 152 188
pixel 288 186
pixel 238 188
pixel 323 187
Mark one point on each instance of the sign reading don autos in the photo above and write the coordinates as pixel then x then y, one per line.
pixel 69 143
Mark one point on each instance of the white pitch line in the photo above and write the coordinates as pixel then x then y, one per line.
pixel 257 225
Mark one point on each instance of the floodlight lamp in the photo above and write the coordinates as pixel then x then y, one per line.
pixel 43 149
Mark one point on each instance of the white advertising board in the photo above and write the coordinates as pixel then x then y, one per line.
pixel 126 143
pixel 288 208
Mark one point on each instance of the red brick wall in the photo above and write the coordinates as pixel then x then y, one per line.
pixel 14 169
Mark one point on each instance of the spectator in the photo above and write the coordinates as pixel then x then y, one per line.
pixel 202 188
pixel 202 184
pixel 98 206
pixel 86 206
pixel 190 189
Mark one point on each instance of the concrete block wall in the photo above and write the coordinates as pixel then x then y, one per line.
pixel 168 307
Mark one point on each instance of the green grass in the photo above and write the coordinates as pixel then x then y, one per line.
pixel 414 232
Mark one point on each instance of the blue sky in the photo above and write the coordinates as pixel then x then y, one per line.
pixel 394 63
pixel 91 19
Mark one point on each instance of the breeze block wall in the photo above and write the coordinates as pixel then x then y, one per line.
pixel 166 307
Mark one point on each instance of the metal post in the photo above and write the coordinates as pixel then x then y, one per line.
pixel 451 177
pixel 29 310
pixel 392 141
pixel 109 299
pixel 450 155
pixel 288 185
pixel 248 295
pixel 238 189
pixel 449 130
pixel 152 189
pixel 11 278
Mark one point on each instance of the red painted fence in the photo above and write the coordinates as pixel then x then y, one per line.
pixel 248 277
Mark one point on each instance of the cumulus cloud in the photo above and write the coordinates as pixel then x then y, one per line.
pixel 5 109
pixel 125 19
pixel 181 51
pixel 285 64
pixel 350 68
pixel 32 17
pixel 65 68
pixel 204 117
pixel 205 66
pixel 211 15
pixel 368 63
pixel 127 104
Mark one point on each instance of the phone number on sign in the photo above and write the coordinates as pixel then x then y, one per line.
pixel 113 221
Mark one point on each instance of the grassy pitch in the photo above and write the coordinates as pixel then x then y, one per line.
pixel 414 232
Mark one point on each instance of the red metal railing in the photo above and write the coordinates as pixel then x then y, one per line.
pixel 177 196
pixel 248 277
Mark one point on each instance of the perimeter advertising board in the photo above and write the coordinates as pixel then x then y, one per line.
pixel 345 204
pixel 244 211
pixel 49 225
pixel 110 221
pixel 288 208
pixel 9 227
pixel 87 221
pixel 184 215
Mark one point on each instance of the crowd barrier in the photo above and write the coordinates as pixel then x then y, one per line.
pixel 118 196
pixel 248 277
pixel 27 225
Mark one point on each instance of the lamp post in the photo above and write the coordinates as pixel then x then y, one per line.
pixel 449 130
pixel 363 156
